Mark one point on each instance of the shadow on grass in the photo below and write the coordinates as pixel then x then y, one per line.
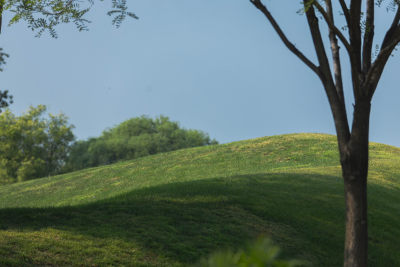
pixel 182 222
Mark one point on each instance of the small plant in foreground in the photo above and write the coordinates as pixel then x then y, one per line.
pixel 261 253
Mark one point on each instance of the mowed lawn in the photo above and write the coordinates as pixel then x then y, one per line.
pixel 174 208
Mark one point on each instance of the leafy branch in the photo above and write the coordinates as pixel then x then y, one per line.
pixel 45 15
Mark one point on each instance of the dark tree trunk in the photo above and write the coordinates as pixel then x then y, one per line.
pixel 354 161
pixel 356 237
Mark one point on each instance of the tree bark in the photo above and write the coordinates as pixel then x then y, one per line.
pixel 354 161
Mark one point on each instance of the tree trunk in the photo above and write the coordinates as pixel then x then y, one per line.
pixel 356 237
pixel 354 161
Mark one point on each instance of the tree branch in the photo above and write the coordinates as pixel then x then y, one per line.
pixel 368 35
pixel 355 43
pixel 1 14
pixel 355 19
pixel 376 70
pixel 285 40
pixel 392 29
pixel 337 69
pixel 389 43
pixel 352 52
pixel 345 10
pixel 337 105
pixel 329 20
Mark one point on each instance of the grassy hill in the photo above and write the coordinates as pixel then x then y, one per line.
pixel 172 209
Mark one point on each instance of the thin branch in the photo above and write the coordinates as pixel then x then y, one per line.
pixel 355 43
pixel 345 10
pixel 285 40
pixel 355 30
pixel 320 49
pixel 392 29
pixel 389 43
pixel 1 14
pixel 368 35
pixel 376 70
pixel 329 20
pixel 337 68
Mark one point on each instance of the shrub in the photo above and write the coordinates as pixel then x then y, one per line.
pixel 262 253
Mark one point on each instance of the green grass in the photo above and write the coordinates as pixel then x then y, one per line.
pixel 174 208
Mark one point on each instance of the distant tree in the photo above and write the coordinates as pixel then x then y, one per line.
pixel 32 146
pixel 134 138
pixel 366 70
pixel 57 143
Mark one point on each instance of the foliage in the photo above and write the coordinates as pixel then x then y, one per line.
pixel 32 146
pixel 2 58
pixel 262 253
pixel 136 137
pixel 5 99
pixel 45 15
pixel 120 12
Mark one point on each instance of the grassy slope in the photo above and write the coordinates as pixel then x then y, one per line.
pixel 173 208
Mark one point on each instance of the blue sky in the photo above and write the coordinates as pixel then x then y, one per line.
pixel 214 65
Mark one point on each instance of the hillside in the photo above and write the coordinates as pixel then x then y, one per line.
pixel 172 209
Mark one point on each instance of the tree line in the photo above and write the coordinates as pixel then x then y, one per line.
pixel 136 137
pixel 34 145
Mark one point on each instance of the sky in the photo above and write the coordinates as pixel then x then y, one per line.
pixel 212 65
